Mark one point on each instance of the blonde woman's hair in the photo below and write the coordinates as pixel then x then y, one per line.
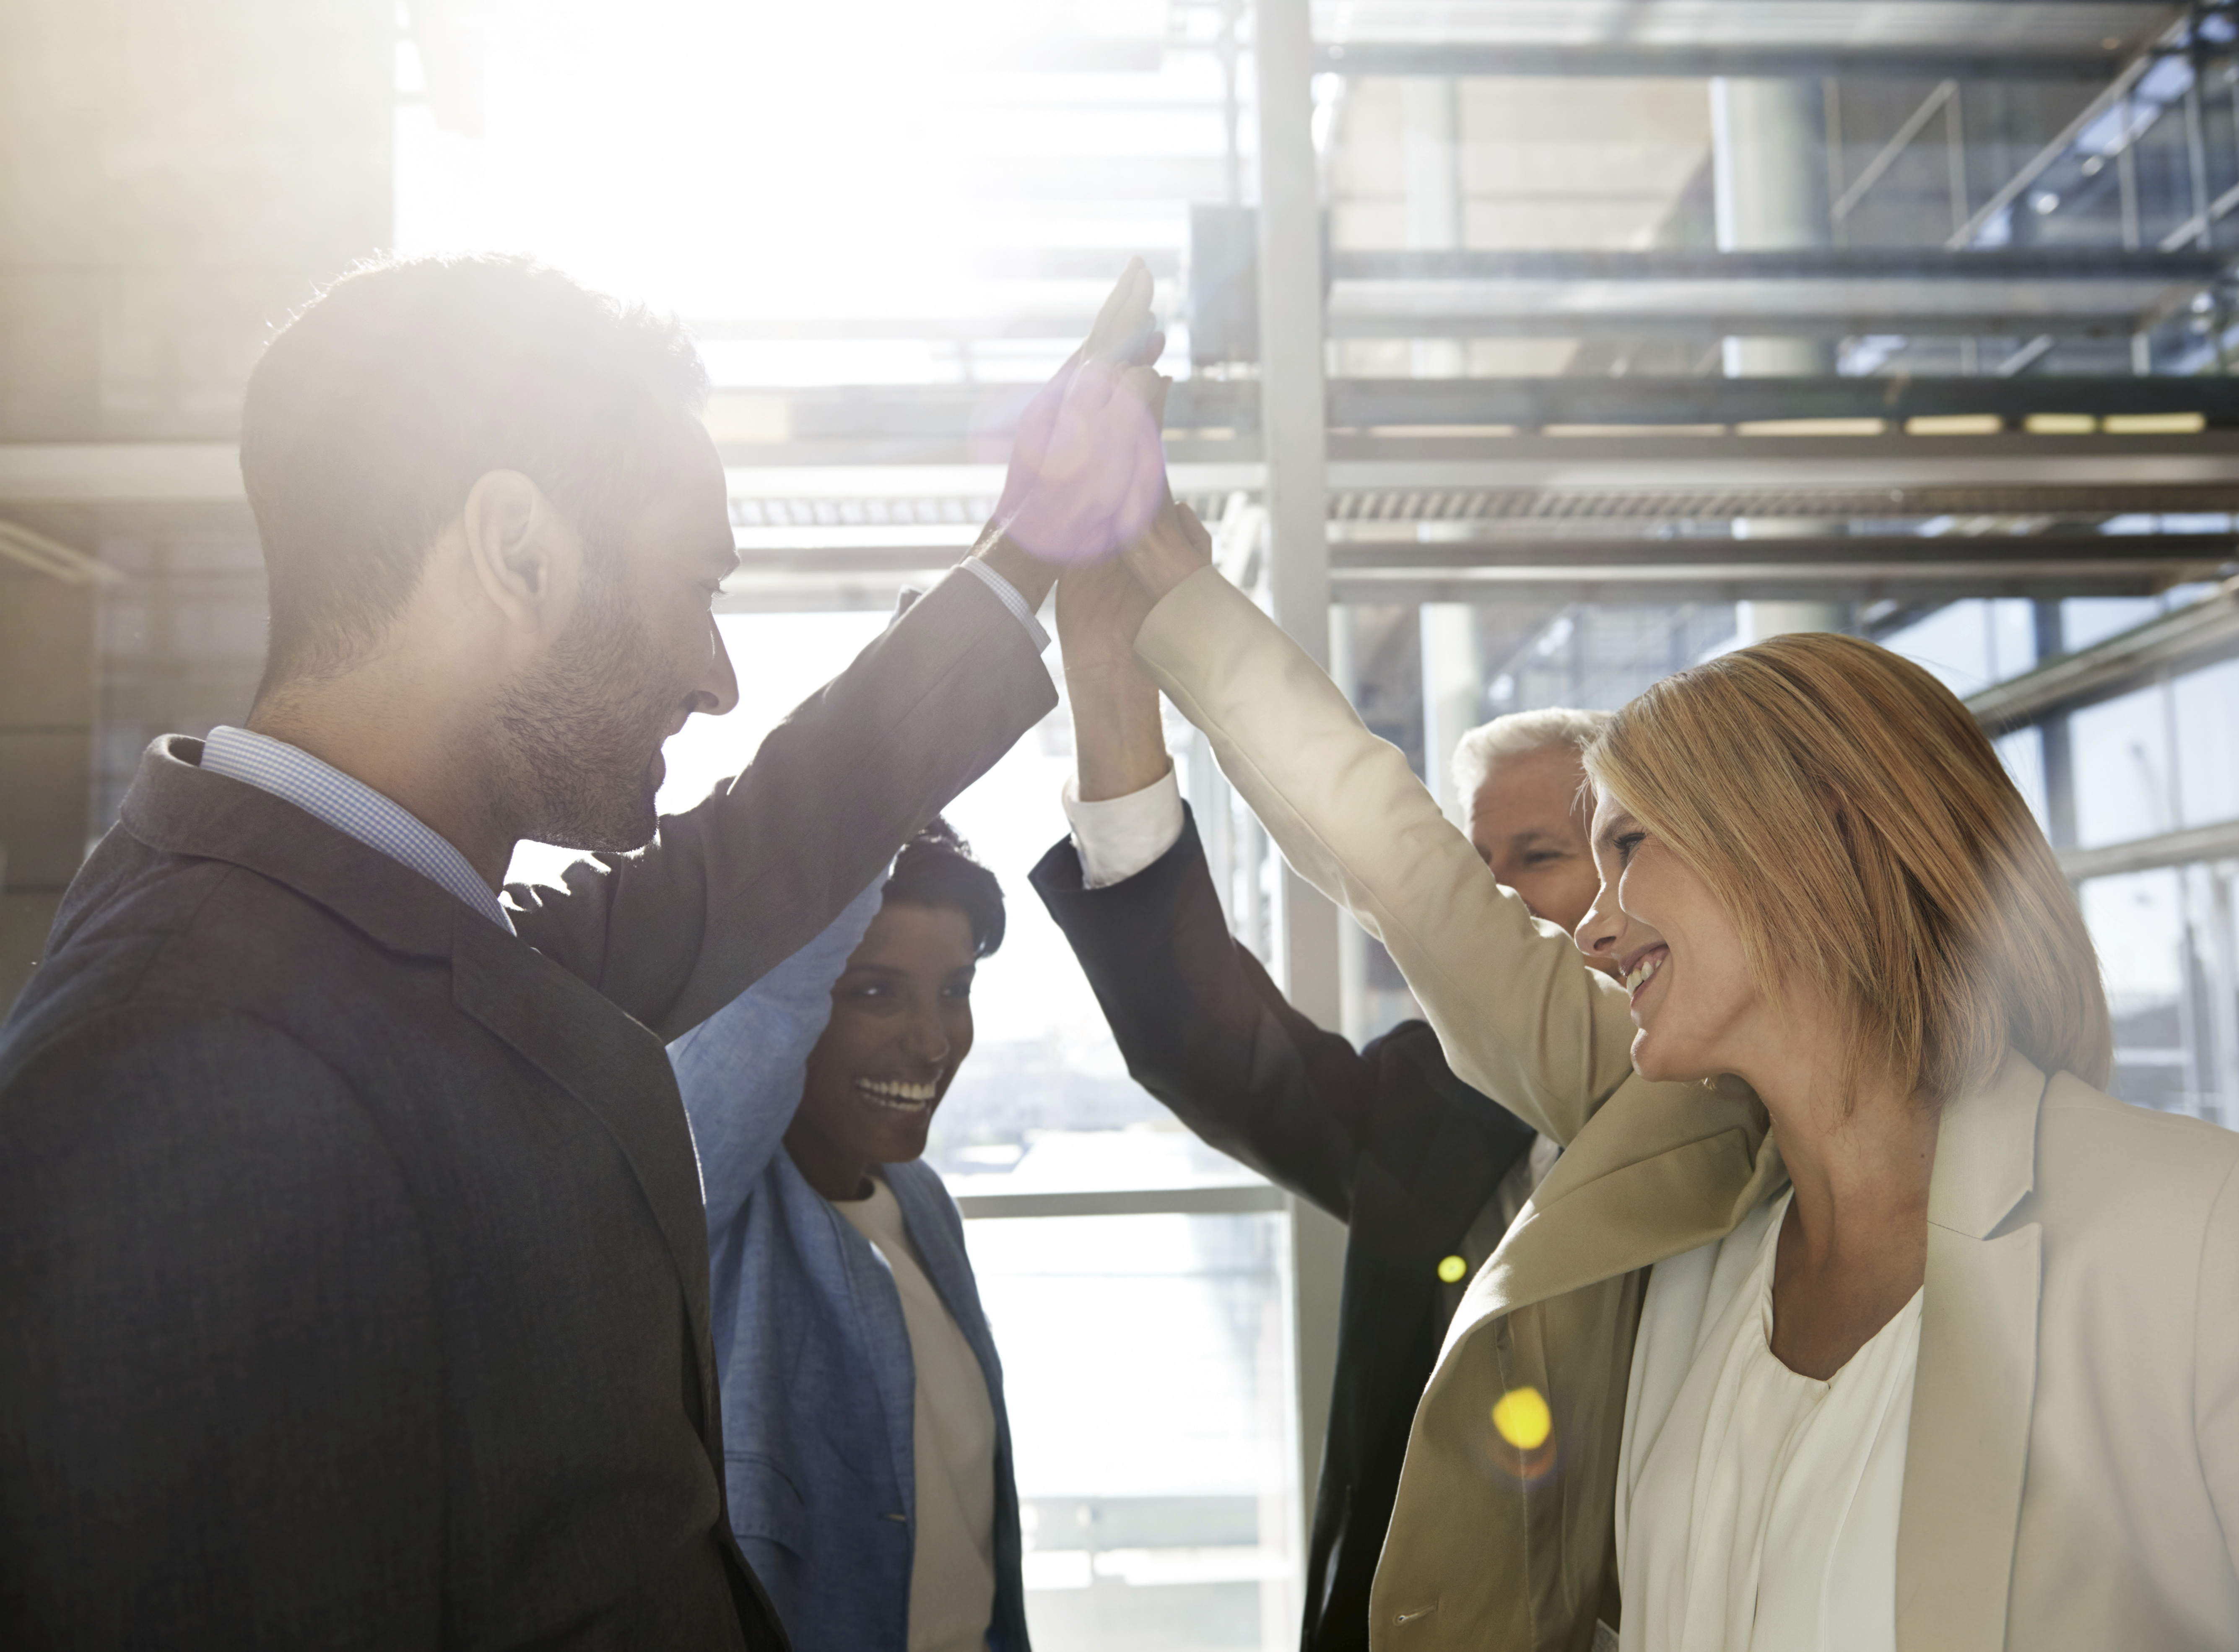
pixel 1858 827
pixel 1513 735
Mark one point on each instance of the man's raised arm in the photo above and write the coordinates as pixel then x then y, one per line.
pixel 677 930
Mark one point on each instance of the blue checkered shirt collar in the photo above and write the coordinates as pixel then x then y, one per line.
pixel 295 776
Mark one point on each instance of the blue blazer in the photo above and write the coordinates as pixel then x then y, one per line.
pixel 819 1390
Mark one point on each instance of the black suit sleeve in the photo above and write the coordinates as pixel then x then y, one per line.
pixel 219 1369
pixel 731 888
pixel 1204 1030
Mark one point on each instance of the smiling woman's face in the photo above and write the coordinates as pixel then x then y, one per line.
pixel 901 1025
pixel 1676 952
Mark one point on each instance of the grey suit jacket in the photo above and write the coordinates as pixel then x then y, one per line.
pixel 353 1275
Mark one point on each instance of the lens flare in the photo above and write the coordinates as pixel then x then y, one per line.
pixel 1521 1417
pixel 1452 1269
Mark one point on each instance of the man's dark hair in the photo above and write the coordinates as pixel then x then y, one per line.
pixel 374 410
pixel 935 868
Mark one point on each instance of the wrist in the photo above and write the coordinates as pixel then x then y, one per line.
pixel 1119 743
pixel 1027 574
pixel 1101 782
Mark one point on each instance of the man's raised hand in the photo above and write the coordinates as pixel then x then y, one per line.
pixel 1088 470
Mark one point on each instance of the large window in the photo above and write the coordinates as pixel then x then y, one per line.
pixel 2118 782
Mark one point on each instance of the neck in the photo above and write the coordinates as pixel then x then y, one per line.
pixel 839 1177
pixel 418 746
pixel 1861 1155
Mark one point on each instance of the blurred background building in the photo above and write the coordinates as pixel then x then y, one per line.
pixel 1527 350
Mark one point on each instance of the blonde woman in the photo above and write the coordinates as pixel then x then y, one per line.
pixel 1854 1317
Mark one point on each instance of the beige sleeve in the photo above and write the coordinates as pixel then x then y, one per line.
pixel 2215 1377
pixel 1520 1016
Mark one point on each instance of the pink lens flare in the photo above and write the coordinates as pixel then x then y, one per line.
pixel 1100 479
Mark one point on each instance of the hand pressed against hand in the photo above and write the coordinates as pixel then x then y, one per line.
pixel 1088 470
pixel 1173 547
pixel 1123 334
pixel 1118 744
pixel 1099 608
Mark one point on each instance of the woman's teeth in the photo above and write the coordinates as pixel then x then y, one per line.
pixel 895 1093
pixel 1637 976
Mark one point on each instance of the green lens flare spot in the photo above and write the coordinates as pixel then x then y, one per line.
pixel 1521 1417
pixel 1452 1269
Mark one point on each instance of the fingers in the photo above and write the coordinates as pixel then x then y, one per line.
pixel 1195 531
pixel 1147 495
pixel 1122 326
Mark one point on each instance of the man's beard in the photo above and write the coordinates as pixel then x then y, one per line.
pixel 578 734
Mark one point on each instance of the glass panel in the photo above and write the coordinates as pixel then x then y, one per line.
pixel 2207 719
pixel 1969 646
pixel 2121 750
pixel 2022 752
pixel 1146 1367
pixel 2087 619
pixel 1044 1103
pixel 2165 945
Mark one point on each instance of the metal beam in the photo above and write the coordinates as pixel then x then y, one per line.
pixel 1925 556
pixel 2194 635
pixel 1296 443
pixel 1929 556
pixel 925 424
pixel 2219 842
pixel 1904 313
pixel 1907 263
pixel 1913 571
pixel 1702 61
pixel 2012 189
pixel 1243 1199
pixel 1666 588
pixel 1538 402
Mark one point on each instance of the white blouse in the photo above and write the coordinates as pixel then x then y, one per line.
pixel 1757 1510
pixel 953 1437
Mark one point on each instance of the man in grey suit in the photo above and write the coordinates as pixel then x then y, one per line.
pixel 353 1278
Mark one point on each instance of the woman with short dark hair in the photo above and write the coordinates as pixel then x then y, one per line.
pixel 868 1457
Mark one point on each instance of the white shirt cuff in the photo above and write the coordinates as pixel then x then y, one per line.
pixel 1007 594
pixel 1122 836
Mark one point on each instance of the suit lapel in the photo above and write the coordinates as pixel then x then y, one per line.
pixel 1659 1169
pixel 1967 1453
pixel 580 1040
pixel 617 1069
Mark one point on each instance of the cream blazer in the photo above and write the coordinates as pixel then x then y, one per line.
pixel 2072 1480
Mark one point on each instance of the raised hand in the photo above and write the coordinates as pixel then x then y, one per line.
pixel 1173 546
pixel 1119 746
pixel 1122 333
pixel 1088 470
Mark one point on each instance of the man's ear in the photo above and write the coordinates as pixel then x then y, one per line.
pixel 525 556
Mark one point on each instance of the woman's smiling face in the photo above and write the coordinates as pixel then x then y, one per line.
pixel 1676 953
pixel 901 1025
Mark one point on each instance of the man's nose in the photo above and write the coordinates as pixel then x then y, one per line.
pixel 717 691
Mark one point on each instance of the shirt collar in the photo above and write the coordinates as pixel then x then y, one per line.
pixel 295 776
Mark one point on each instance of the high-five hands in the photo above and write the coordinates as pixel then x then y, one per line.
pixel 1099 608
pixel 1088 470
pixel 1118 746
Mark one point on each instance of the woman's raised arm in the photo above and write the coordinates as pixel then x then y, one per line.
pixel 1519 1014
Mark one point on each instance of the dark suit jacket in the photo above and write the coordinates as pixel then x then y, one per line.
pixel 353 1273
pixel 1385 1138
